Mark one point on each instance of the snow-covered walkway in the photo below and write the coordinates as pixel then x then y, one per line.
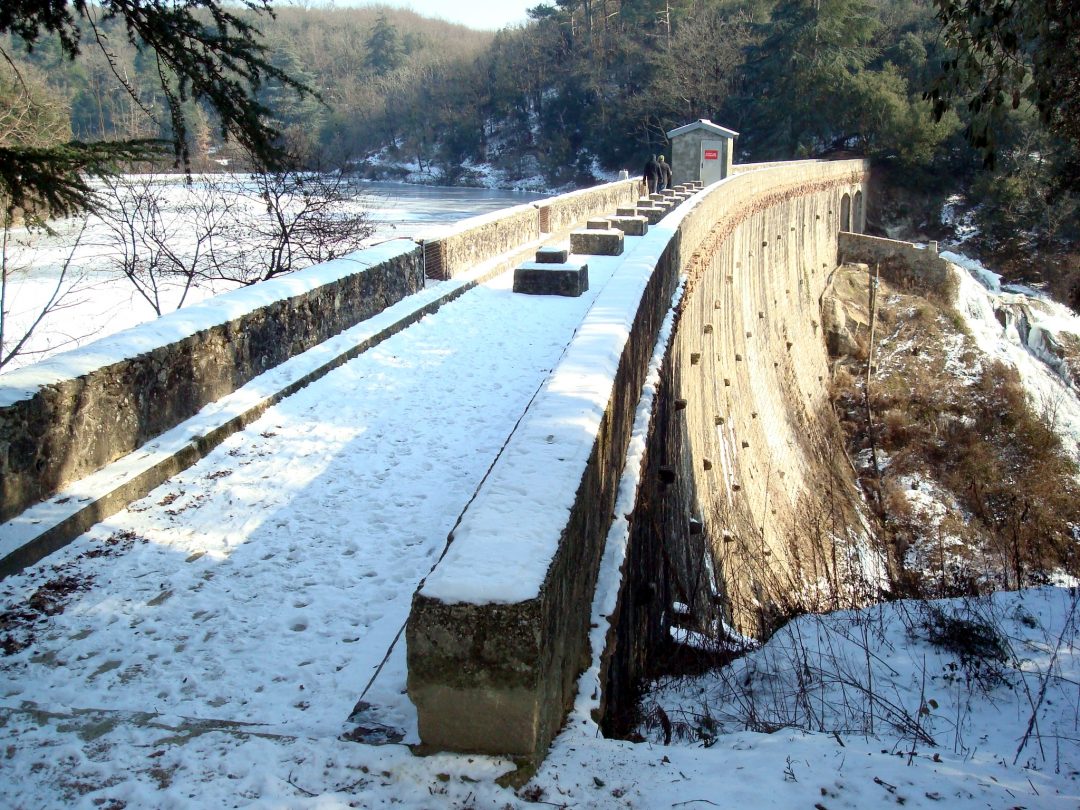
pixel 265 584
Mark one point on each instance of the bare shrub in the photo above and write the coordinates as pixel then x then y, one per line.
pixel 896 428
pixel 977 643
pixel 227 229
pixel 842 383
pixel 944 415
pixel 18 325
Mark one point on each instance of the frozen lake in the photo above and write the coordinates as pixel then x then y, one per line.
pixel 92 298
pixel 402 210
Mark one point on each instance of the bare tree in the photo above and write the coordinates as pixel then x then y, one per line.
pixel 226 230
pixel 284 221
pixel 144 238
pixel 18 328
pixel 29 111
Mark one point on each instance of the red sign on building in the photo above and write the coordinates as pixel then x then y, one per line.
pixel 712 154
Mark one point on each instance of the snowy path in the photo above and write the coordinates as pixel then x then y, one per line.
pixel 265 584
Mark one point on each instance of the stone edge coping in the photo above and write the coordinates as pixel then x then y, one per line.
pixel 173 327
pixel 597 231
pixel 740 168
pixel 438 233
pixel 506 540
pixel 54 522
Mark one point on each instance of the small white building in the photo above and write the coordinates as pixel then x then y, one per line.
pixel 701 151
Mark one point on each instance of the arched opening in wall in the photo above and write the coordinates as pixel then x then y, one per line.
pixel 858 222
pixel 845 213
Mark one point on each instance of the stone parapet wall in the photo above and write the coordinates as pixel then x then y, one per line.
pixel 498 633
pixel 570 210
pixel 460 248
pixel 740 168
pixel 73 414
pixel 898 260
pixel 475 240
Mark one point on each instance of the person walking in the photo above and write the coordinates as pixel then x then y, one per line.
pixel 651 175
pixel 664 181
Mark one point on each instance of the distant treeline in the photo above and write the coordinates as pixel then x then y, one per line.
pixel 595 84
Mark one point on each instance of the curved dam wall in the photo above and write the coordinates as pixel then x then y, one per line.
pixel 748 509
pixel 741 445
pixel 749 455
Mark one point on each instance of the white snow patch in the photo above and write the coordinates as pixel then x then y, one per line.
pixel 980 299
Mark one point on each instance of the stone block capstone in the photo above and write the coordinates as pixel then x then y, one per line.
pixel 550 278
pixel 590 242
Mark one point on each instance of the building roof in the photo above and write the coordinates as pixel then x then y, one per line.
pixel 706 124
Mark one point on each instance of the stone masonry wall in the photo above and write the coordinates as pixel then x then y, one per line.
pixel 476 240
pixel 498 677
pixel 75 426
pixel 924 262
pixel 568 210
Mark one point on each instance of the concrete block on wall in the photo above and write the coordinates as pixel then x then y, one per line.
pixel 548 278
pixel 608 242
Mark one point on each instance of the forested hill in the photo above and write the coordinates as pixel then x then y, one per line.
pixel 592 85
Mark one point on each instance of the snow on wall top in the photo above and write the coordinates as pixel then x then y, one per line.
pixel 24 383
pixel 509 535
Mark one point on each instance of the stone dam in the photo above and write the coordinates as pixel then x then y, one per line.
pixel 741 489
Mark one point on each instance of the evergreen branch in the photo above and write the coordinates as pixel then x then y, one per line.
pixel 44 181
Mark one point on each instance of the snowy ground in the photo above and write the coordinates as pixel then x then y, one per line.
pixel 944 704
pixel 1019 326
pixel 205 647
pixel 264 586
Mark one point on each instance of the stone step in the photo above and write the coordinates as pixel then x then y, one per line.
pixel 598 225
pixel 653 213
pixel 550 278
pixel 550 254
pixel 607 242
pixel 631 225
pixel 630 211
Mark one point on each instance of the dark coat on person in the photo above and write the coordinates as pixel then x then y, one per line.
pixel 664 181
pixel 651 175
